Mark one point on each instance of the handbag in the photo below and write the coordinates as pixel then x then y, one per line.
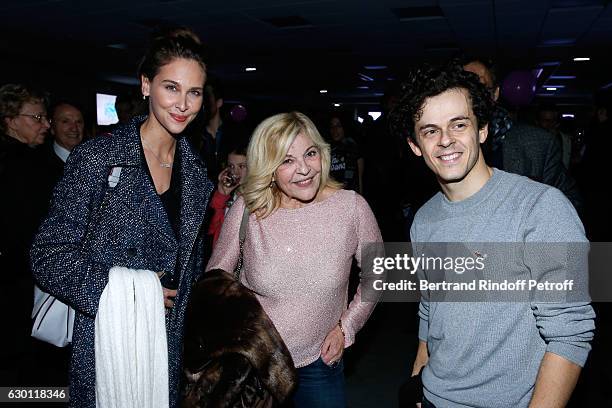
pixel 53 320
pixel 242 238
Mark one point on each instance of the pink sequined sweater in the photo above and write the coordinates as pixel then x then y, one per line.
pixel 298 261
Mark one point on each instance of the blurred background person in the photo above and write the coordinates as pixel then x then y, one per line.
pixel 548 117
pixel 346 158
pixel 67 130
pixel 128 105
pixel 228 189
pixel 24 125
pixel 519 148
pixel 210 140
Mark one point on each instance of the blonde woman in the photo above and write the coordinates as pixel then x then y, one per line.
pixel 302 235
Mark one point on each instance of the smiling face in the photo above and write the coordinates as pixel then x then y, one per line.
pixel 298 178
pixel 68 125
pixel 25 127
pixel 175 94
pixel 448 138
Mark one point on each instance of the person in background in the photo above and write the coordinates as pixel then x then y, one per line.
pixel 67 128
pixel 211 140
pixel 346 159
pixel 548 118
pixel 136 199
pixel 23 127
pixel 520 148
pixel 228 189
pixel 302 234
pixel 128 105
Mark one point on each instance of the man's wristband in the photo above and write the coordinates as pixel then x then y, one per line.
pixel 341 328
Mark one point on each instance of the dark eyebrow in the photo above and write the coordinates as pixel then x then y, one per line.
pixel 460 118
pixel 427 126
pixel 178 84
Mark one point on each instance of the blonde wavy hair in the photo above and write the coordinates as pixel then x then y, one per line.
pixel 266 152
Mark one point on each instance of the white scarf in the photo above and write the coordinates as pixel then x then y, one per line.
pixel 130 344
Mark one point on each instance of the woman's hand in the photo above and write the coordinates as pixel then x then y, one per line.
pixel 169 294
pixel 333 346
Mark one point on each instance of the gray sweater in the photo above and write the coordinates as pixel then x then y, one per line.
pixel 488 354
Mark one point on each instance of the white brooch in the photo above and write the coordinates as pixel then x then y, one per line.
pixel 113 177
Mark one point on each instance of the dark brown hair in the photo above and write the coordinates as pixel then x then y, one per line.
pixel 168 45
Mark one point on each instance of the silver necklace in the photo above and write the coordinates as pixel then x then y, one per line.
pixel 166 165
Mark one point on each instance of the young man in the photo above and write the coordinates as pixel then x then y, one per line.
pixel 476 354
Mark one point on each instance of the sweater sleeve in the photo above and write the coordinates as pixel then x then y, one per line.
pixel 552 223
pixel 226 252
pixel 359 311
pixel 423 313
pixel 58 262
pixel 217 204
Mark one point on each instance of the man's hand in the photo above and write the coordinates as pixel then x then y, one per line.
pixel 555 383
pixel 420 361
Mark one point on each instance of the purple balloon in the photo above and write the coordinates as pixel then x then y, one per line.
pixel 519 88
pixel 238 113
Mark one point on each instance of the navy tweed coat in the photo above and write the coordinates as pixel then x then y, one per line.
pixel 93 226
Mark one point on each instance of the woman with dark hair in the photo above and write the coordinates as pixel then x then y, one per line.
pixel 135 200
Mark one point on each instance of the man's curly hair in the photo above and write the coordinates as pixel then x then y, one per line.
pixel 428 81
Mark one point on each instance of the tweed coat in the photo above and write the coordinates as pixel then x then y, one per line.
pixel 95 224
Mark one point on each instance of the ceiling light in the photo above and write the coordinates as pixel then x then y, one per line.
pixel 568 115
pixel 364 77
pixel 118 46
pixel 337 105
pixel 363 87
pixel 323 91
pixel 250 69
pixel 538 72
pixel 549 64
pixel 578 59
pixel 375 67
pixel 562 77
pixel 551 88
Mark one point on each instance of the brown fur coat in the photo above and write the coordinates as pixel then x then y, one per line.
pixel 232 349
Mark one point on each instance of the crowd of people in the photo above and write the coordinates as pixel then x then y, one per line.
pixel 167 190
